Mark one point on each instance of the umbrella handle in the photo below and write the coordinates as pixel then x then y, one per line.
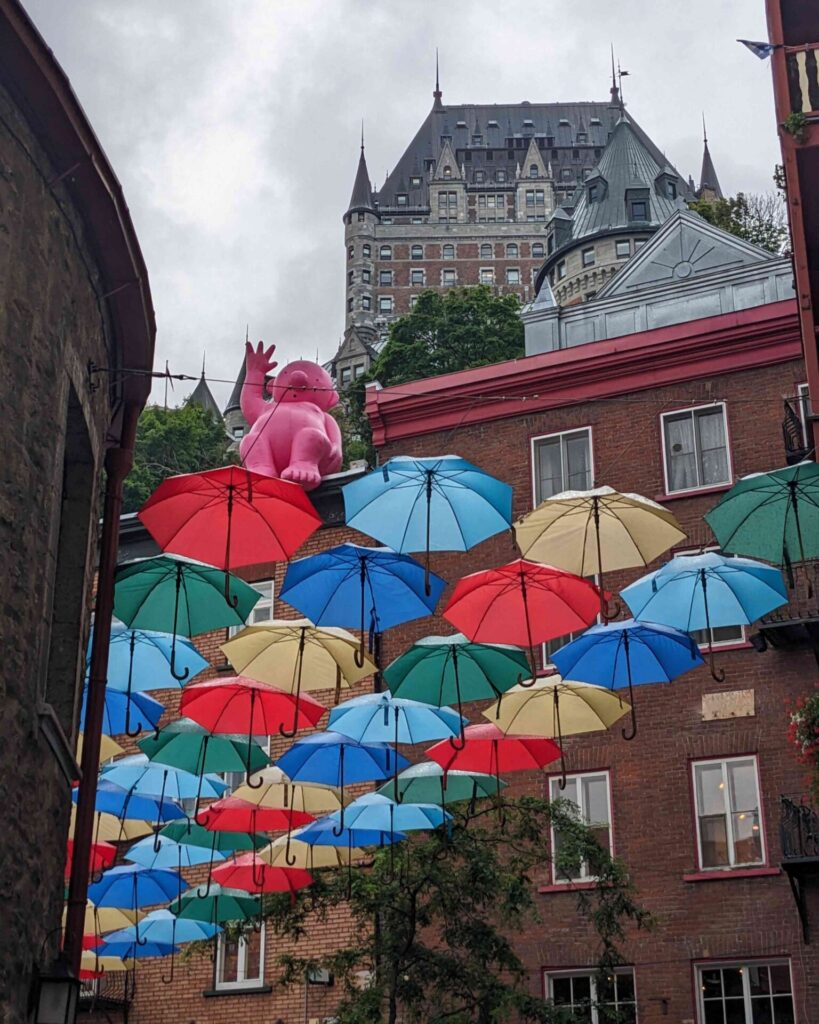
pixel 337 831
pixel 427 587
pixel 178 678
pixel 248 773
pixel 128 730
pixel 288 860
pixel 460 742
pixel 358 654
pixel 633 733
pixel 718 675
pixel 288 734
pixel 562 781
pixel 169 979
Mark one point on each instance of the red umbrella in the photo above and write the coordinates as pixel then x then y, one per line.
pixel 102 856
pixel 232 814
pixel 523 603
pixel 252 875
pixel 229 517
pixel 487 749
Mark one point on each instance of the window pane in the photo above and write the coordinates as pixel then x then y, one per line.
pixel 711 984
pixel 578 469
pixel 713 452
pixel 625 987
pixel 783 1010
pixel 710 789
pixel 714 841
pixel 253 948
pixel 780 978
pixel 230 961
pixel 761 1012
pixel 550 472
pixel 735 1011
pixel 744 805
pixel 581 987
pixel 713 1013
pixel 562 991
pixel 732 981
pixel 595 799
pixel 680 453
pixel 758 979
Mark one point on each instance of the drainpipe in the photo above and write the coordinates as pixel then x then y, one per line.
pixel 118 462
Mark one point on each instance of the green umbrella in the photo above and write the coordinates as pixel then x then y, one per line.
pixel 773 516
pixel 218 907
pixel 428 783
pixel 222 842
pixel 443 670
pixel 178 595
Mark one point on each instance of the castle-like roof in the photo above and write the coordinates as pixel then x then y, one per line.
pixel 708 175
pixel 362 197
pixel 202 396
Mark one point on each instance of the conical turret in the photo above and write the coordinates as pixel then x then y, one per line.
pixel 709 182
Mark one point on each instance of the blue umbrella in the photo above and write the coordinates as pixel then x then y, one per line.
pixel 133 949
pixel 140 659
pixel 337 760
pixel 376 811
pixel 131 886
pixel 360 588
pixel 146 778
pixel 161 927
pixel 127 805
pixel 170 854
pixel 706 591
pixel 433 504
pixel 626 653
pixel 324 832
pixel 122 711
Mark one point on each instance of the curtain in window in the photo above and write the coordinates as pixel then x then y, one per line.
pixel 549 469
pixel 711 429
pixel 578 467
pixel 681 454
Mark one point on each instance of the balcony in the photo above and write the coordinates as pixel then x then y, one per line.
pixel 799 835
pixel 112 993
pixel 794 626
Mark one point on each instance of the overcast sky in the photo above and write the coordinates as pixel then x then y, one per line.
pixel 233 126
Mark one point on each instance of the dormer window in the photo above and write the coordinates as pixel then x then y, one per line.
pixel 460 124
pixel 581 138
pixel 447 171
pixel 595 122
pixel 477 140
pixel 415 181
pixel 500 175
pixel 401 199
pixel 533 171
pixel 594 193
pixel 638 209
pixel 528 123
pixel 492 124
pixel 671 189
pixel 480 177
pixel 563 122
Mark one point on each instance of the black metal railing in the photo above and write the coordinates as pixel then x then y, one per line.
pixel 110 992
pixel 799 830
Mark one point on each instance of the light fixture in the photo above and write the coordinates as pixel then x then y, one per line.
pixel 57 994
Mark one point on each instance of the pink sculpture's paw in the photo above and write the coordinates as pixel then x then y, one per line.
pixel 259 360
pixel 304 473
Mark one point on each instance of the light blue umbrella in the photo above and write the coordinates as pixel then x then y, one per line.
pixel 170 854
pixel 339 760
pixel 706 591
pixel 147 778
pixel 428 504
pixel 627 653
pixel 133 949
pixel 123 711
pixel 163 928
pixel 130 886
pixel 124 804
pixel 378 812
pixel 325 832
pixel 382 718
pixel 141 659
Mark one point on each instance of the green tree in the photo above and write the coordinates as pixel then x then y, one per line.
pixel 169 441
pixel 434 919
pixel 757 217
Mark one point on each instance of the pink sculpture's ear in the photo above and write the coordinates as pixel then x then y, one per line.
pixel 270 387
pixel 331 399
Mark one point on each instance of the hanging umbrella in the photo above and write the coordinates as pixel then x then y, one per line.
pixel 628 653
pixel 123 711
pixel 229 517
pixel 160 926
pixel 181 596
pixel 428 783
pixel 589 532
pixel 235 815
pixel 555 708
pixel 326 832
pixel 108 748
pixel 238 704
pixel 294 852
pixel 214 845
pixel 170 854
pixel 434 504
pixel 111 829
pixel 338 760
pixel 380 813
pixel 132 949
pixel 773 516
pixel 219 907
pixel 522 603
pixel 296 655
pixel 369 589
pixel 444 670
pixel 102 855
pixel 706 591
pixel 131 886
pixel 124 804
pixel 93 967
pixel 253 875
pixel 140 776
pixel 100 920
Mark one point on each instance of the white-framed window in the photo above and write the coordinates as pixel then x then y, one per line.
pixel 537 250
pixel 413 301
pixel 581 992
pixel 345 379
pixel 487 275
pixel 590 792
pixel 385 252
pixel 365 251
pixel 417 252
pixel 622 248
pixel 366 276
pixel 263 609
pixel 513 275
pixel 358 370
pixel 512 251
pixel 448 252
pixel 447 277
pixel 561 462
pixel 417 277
pixel 561 270
pixel 385 278
pixel 588 257
pixel 238 431
pixel 366 303
pixel 486 251
pixel 728 819
pixel 752 992
pixel 401 199
pixel 695 448
pixel 240 961
pixel 385 303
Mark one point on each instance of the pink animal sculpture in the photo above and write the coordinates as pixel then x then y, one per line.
pixel 292 436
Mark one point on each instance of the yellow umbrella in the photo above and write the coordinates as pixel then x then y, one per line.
pixel 296 655
pixel 589 532
pixel 101 964
pixel 554 708
pixel 109 829
pixel 99 920
pixel 274 789
pixel 306 855
pixel 108 748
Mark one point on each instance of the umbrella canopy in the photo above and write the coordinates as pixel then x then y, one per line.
pixel 434 504
pixel 379 813
pixel 254 875
pixel 218 907
pixel 774 516
pixel 161 926
pixel 108 748
pixel 99 920
pixel 369 589
pixel 240 705
pixel 111 829
pixel 326 832
pixel 140 776
pixel 597 531
pixel 706 591
pixel 383 718
pixel 488 749
pixel 144 659
pixel 339 760
pixel 235 815
pixel 124 804
pixel 451 669
pixel 185 744
pixel 628 653
pixel 216 842
pixel 130 886
pixel 133 949
pixel 171 854
pixel 124 712
pixel 277 790
pixel 428 783
pixel 102 856
pixel 522 603
pixel 294 852
pixel 229 517
pixel 93 966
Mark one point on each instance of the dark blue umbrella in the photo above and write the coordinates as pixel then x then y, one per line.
pixel 369 589
pixel 324 832
pixel 134 949
pixel 124 803
pixel 627 653
pixel 428 504
pixel 338 760
pixel 122 711
pixel 130 886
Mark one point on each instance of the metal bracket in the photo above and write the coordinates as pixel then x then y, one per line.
pixel 798 890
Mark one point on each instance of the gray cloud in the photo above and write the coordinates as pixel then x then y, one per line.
pixel 233 127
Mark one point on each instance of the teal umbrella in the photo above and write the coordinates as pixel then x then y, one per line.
pixel 428 783
pixel 773 516
pixel 178 595
pixel 218 907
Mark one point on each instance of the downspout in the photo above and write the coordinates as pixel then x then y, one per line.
pixel 118 462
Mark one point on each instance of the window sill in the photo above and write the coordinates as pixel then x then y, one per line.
pixel 718 875
pixel 567 887
pixel 696 492
pixel 738 645
pixel 239 990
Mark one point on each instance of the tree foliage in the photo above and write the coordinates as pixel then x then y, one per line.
pixel 184 439
pixel 759 218
pixel 434 919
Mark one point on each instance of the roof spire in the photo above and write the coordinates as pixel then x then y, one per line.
pixel 436 96
pixel 362 196
pixel 362 134
pixel 203 363
pixel 615 92
pixel 709 182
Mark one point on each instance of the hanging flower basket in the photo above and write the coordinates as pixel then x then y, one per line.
pixel 803 733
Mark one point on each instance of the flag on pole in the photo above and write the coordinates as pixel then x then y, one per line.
pixel 761 50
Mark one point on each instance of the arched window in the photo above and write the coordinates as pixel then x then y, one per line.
pixel 533 172
pixel 365 251
pixel 447 171
pixel 486 251
pixel 537 249
pixel 417 252
pixel 448 252
pixel 512 251
pixel 385 252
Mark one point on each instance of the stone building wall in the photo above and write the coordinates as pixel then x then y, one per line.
pixel 52 433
